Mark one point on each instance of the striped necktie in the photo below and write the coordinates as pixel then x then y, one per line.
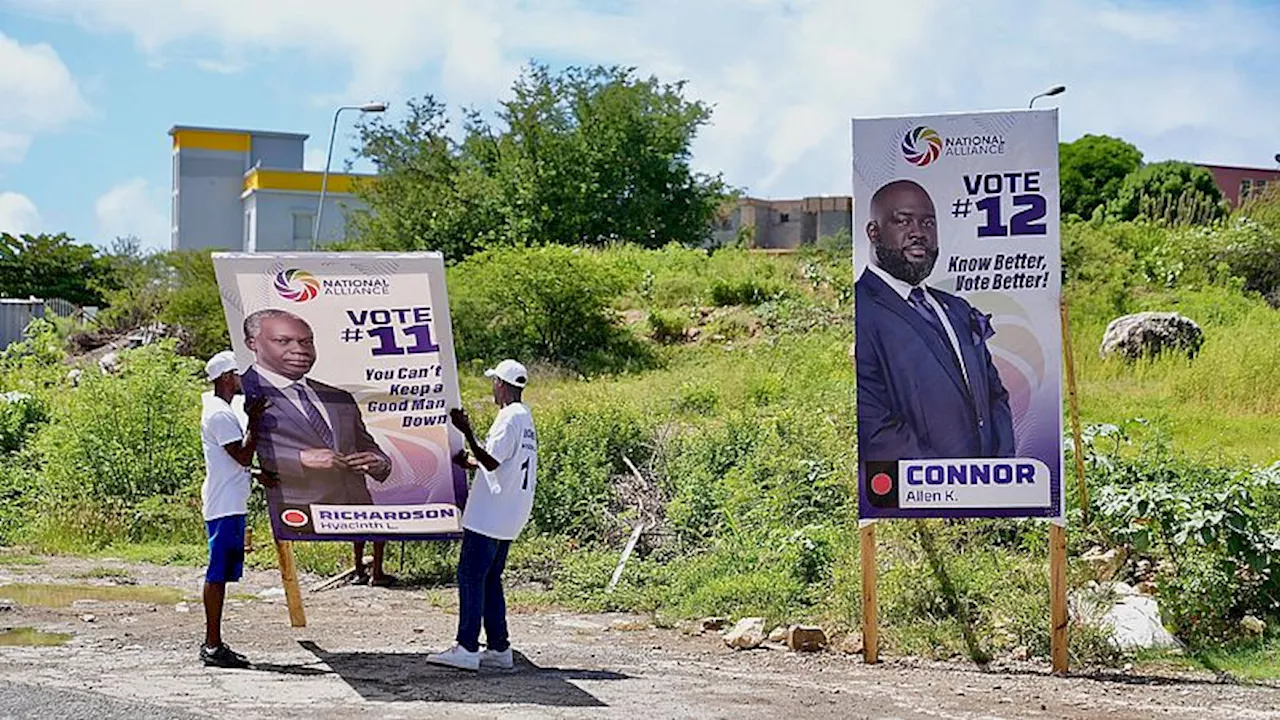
pixel 313 415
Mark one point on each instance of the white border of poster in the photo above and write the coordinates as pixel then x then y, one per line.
pixel 379 380
pixel 957 260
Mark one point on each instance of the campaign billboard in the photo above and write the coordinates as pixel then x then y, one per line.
pixel 354 354
pixel 958 341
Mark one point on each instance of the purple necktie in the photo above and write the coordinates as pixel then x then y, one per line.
pixel 917 301
pixel 314 417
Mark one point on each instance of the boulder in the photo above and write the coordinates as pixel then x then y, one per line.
pixel 1104 564
pixel 748 634
pixel 1253 625
pixel 1148 334
pixel 1135 624
pixel 712 624
pixel 779 635
pixel 806 638
pixel 851 644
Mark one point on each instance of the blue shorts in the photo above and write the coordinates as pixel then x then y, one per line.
pixel 226 549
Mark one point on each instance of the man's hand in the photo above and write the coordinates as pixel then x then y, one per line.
pixel 461 421
pixel 370 463
pixel 255 409
pixel 322 459
pixel 465 461
pixel 268 480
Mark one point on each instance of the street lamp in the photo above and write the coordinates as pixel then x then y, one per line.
pixel 1055 90
pixel 369 107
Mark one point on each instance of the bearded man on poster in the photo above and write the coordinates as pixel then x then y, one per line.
pixel 927 385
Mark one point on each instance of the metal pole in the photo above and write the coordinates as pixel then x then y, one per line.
pixel 324 177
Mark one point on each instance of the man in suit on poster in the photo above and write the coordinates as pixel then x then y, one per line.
pixel 927 386
pixel 314 441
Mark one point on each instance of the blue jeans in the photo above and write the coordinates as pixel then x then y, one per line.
pixel 480 595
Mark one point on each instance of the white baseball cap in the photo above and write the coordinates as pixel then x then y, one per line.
pixel 221 364
pixel 510 372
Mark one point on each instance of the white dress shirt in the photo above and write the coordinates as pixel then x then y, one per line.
pixel 904 289
pixel 290 390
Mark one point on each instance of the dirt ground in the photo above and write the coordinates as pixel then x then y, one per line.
pixel 362 656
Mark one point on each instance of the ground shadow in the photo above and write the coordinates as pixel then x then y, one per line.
pixel 408 677
pixel 957 606
pixel 1101 676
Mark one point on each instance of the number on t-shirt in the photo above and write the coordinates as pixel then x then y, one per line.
pixel 525 466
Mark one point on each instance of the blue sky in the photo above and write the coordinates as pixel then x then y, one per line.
pixel 89 88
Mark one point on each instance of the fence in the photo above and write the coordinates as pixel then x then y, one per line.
pixel 16 314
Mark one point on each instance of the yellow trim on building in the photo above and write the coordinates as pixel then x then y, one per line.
pixel 300 181
pixel 211 140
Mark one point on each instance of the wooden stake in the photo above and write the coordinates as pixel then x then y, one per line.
pixel 1074 404
pixel 1058 642
pixel 622 562
pixel 289 576
pixel 870 630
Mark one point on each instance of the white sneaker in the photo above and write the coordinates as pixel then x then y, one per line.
pixel 457 657
pixel 500 659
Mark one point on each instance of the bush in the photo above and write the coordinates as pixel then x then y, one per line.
pixel 667 327
pixel 549 303
pixel 1212 530
pixel 115 443
pixel 1169 192
pixel 744 291
pixel 581 450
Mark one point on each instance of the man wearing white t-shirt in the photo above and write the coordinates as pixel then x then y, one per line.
pixel 228 453
pixel 498 507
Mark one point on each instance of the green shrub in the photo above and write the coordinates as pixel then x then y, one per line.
pixel 667 327
pixel 1215 532
pixel 744 291
pixel 116 441
pixel 195 305
pixel 549 303
pixel 20 415
pixel 581 450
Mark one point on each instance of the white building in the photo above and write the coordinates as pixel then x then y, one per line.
pixel 246 190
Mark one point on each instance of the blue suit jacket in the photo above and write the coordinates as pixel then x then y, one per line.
pixel 286 433
pixel 913 403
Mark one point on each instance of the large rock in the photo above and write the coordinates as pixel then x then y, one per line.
pixel 806 638
pixel 1135 624
pixel 1104 565
pixel 748 634
pixel 1148 334
pixel 1253 625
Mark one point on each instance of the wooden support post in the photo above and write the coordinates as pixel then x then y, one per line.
pixel 870 629
pixel 1074 404
pixel 289 576
pixel 1058 596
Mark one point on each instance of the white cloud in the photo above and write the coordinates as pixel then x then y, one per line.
pixel 314 157
pixel 1192 80
pixel 18 215
pixel 133 208
pixel 37 94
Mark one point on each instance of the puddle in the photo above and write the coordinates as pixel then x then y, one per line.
pixel 56 595
pixel 31 637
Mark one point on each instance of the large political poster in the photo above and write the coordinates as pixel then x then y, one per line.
pixel 958 334
pixel 354 353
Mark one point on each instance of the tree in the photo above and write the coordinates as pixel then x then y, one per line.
pixel 1172 192
pixel 584 157
pixel 1091 171
pixel 51 266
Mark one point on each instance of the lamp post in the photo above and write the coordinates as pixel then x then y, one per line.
pixel 370 107
pixel 1055 90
